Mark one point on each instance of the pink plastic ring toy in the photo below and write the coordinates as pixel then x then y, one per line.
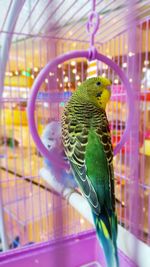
pixel 41 77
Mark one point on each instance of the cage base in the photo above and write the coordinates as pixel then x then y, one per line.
pixel 83 250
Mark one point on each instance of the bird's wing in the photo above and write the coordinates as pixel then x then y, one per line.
pixel 90 153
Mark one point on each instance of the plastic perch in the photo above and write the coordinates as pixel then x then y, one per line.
pixel 73 197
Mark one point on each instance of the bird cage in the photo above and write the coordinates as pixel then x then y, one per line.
pixel 39 224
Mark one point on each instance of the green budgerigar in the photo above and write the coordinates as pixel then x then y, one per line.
pixel 87 144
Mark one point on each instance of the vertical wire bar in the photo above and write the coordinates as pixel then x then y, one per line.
pixel 7 167
pixel 3 226
pixel 101 63
pixel 69 74
pixel 44 218
pixel 104 65
pixel 148 182
pixel 133 135
pixel 85 66
pixel 75 76
pixel 47 194
pixel 109 48
pixel 120 126
pixel 122 100
pixel 45 115
pixel 15 163
pixel 116 59
pixel 57 100
pixel 134 141
pixel 26 81
pixel 59 204
pixel 25 55
pixel 59 200
pixel 112 104
pixel 30 164
pixel 62 68
pixel 38 161
pixel 142 171
pixel 82 68
pixel 55 199
pixel 117 92
pixel 144 106
pixel 98 49
pixel 67 205
pixel 22 162
pixel 49 100
pixel 23 149
pixel 116 84
pixel 126 158
pixel 130 74
pixel 72 217
pixel 30 151
pixel 11 125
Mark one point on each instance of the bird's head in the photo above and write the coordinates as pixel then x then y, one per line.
pixel 96 90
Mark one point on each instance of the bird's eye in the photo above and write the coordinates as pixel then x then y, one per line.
pixel 99 94
pixel 98 83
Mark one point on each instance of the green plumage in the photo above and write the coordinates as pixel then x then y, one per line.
pixel 97 167
pixel 87 143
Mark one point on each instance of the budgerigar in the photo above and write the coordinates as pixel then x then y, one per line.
pixel 51 138
pixel 87 143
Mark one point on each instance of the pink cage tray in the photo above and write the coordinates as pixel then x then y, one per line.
pixel 82 250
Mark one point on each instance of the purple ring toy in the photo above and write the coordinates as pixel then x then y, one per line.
pixel 41 77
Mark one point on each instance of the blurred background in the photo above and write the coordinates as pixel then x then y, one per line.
pixel 43 31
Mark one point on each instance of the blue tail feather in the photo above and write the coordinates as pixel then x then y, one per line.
pixel 107 237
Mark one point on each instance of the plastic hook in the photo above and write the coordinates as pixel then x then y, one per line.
pixel 92 26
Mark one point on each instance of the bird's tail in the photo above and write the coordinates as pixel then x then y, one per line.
pixel 106 228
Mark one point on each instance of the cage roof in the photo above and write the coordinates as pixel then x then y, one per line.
pixel 67 18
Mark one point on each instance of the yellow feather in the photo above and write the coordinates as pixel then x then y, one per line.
pixel 103 226
pixel 105 98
